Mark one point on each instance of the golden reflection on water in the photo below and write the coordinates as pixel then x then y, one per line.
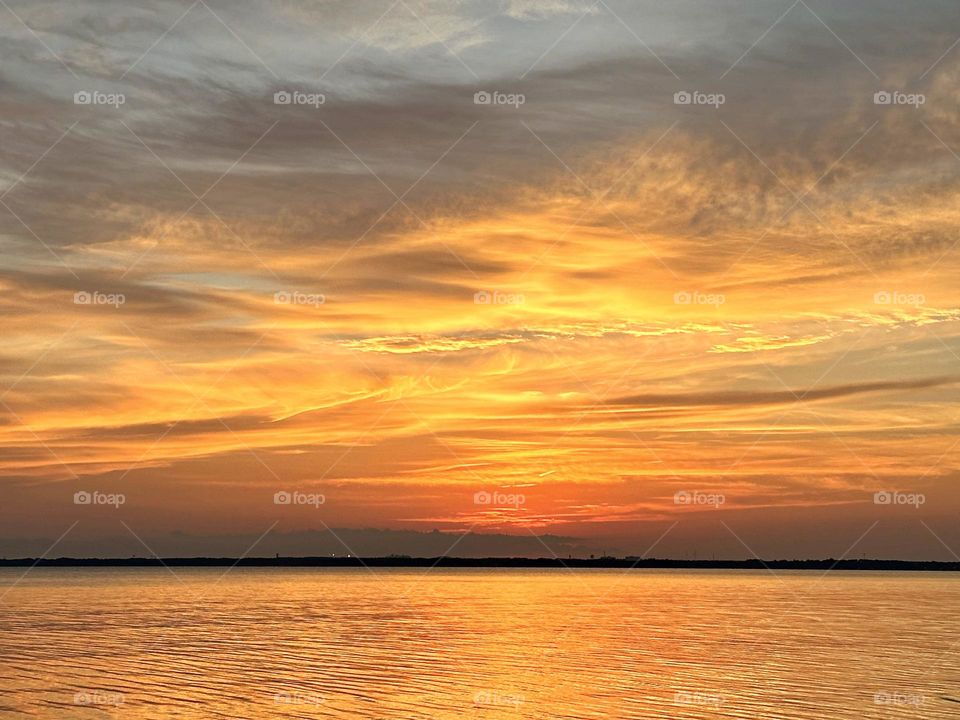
pixel 444 643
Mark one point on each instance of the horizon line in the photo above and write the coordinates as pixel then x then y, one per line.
pixel 628 562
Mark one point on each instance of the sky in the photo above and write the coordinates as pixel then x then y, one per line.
pixel 500 277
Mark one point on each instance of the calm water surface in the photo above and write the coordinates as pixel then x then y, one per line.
pixel 324 643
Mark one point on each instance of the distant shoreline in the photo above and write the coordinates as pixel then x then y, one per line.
pixel 492 562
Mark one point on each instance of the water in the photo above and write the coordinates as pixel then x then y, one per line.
pixel 443 643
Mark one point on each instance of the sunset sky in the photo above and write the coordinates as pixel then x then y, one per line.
pixel 751 296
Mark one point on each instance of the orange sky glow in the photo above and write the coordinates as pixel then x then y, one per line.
pixel 577 316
